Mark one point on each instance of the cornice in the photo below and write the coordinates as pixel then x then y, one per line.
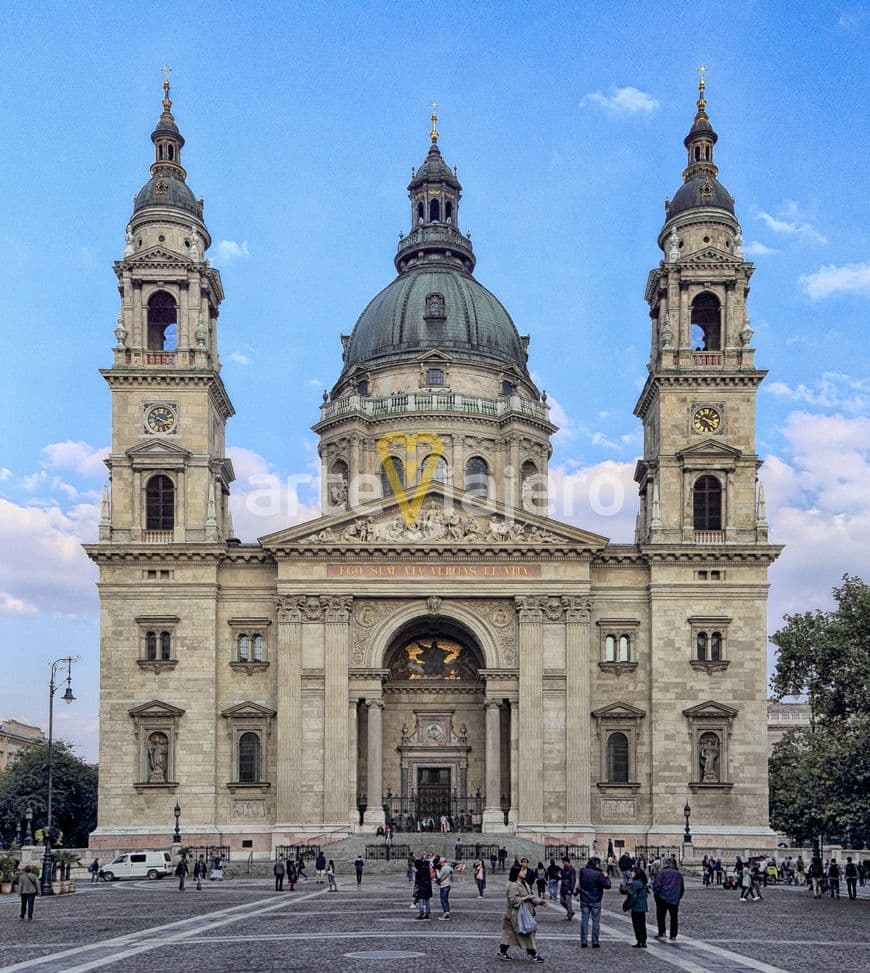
pixel 171 376
pixel 666 553
pixel 135 552
pixel 708 377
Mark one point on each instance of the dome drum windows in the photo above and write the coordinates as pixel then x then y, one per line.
pixel 708 643
pixel 477 477
pixel 157 642
pixel 249 644
pixel 618 650
pixel 392 476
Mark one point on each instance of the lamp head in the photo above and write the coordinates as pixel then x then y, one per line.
pixel 687 810
pixel 28 813
pixel 68 695
pixel 177 811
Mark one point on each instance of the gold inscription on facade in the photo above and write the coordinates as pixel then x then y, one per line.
pixel 493 572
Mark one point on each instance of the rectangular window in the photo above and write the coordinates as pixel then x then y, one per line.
pixel 435 376
pixel 137 858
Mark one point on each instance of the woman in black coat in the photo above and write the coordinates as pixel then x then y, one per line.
pixel 422 888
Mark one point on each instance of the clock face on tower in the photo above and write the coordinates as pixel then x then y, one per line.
pixel 706 419
pixel 160 419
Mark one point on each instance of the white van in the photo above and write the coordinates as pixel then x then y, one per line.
pixel 138 864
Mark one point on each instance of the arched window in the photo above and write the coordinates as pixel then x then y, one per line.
pixel 617 758
pixel 624 648
pixel 257 648
pixel 397 477
pixel 162 322
pixel 160 503
pixel 610 648
pixel 434 211
pixel 477 476
pixel 151 646
pixel 244 648
pixel 706 328
pixel 448 211
pixel 249 758
pixel 420 212
pixel 707 503
pixel 701 646
pixel 171 150
pixel 165 646
pixel 440 472
pixel 715 646
pixel 338 484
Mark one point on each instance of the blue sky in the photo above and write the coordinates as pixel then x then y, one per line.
pixel 302 122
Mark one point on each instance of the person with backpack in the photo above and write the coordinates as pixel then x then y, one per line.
pixel 816 872
pixel 834 879
pixel 28 889
pixel 636 904
pixel 851 878
pixel 591 883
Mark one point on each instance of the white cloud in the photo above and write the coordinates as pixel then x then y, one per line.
pixel 757 249
pixel 42 565
pixel 601 498
pixel 833 390
pixel 831 279
pixel 77 456
pixel 239 358
pixel 560 418
pixel 790 222
pixel 228 250
pixel 5 473
pixel 623 101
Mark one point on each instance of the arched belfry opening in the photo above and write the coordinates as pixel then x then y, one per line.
pixel 433 728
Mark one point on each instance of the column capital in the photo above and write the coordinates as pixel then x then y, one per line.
pixel 375 703
pixel 314 608
pixel 577 609
pixel 530 608
pixel 492 704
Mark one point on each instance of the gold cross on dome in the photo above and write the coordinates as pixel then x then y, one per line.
pixel 702 68
pixel 166 69
pixel 434 133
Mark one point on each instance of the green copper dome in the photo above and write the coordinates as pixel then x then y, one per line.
pixel 435 307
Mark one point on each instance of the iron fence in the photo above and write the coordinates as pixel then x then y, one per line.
pixel 209 852
pixel 409 814
pixel 292 852
pixel 388 852
pixel 651 852
pixel 574 852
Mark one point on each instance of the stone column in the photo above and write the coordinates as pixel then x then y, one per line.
pixel 578 708
pixel 136 339
pixel 375 811
pixel 352 737
pixel 685 317
pixel 493 818
pixel 515 748
pixel 531 694
pixel 336 799
pixel 288 720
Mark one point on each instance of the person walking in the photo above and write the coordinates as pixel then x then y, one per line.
pixel 566 888
pixel 320 867
pixel 199 872
pixel 480 877
pixel 292 875
pixel 502 858
pixel 591 883
pixel 457 849
pixel 668 889
pixel 541 880
pixel 625 864
pixel 444 879
pixel 181 871
pixel 358 866
pixel 28 889
pixel 493 861
pixel 94 869
pixel 330 876
pixel 300 868
pixel 280 870
pixel 816 873
pixel 554 874
pixel 745 884
pixel 851 871
pixel 755 873
pixel 518 894
pixel 717 871
pixel 834 879
pixel 636 904
pixel 423 888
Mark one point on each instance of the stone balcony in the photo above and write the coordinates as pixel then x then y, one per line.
pixel 409 403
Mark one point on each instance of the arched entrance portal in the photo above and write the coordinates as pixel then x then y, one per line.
pixel 434 730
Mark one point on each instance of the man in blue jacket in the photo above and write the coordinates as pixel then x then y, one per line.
pixel 668 889
pixel 591 883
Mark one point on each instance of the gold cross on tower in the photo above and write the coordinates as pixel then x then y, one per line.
pixel 701 82
pixel 434 133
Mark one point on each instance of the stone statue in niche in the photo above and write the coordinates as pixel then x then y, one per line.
pixel 708 757
pixel 338 490
pixel 673 246
pixel 158 758
pixel 128 241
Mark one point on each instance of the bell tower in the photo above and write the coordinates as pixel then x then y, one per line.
pixel 169 477
pixel 698 476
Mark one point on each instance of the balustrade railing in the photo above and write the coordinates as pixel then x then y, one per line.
pixel 157 536
pixel 159 357
pixel 434 401
pixel 709 536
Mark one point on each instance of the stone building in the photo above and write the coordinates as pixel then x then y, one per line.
pixel 14 737
pixel 433 643
pixel 782 717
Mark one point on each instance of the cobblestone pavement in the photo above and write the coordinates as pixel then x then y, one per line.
pixel 243 925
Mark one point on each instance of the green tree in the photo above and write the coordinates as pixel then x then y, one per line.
pixel 74 792
pixel 820 777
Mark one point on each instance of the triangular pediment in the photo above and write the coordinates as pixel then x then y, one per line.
pixel 157 447
pixel 710 709
pixel 156 708
pixel 710 448
pixel 248 710
pixel 708 256
pixel 434 355
pixel 619 711
pixel 156 254
pixel 440 518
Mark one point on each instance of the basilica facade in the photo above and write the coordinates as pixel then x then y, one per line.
pixel 434 644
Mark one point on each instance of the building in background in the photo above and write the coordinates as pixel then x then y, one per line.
pixel 14 737
pixel 782 717
pixel 434 644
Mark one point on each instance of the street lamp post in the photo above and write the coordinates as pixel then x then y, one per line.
pixel 28 825
pixel 48 860
pixel 176 838
pixel 687 837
